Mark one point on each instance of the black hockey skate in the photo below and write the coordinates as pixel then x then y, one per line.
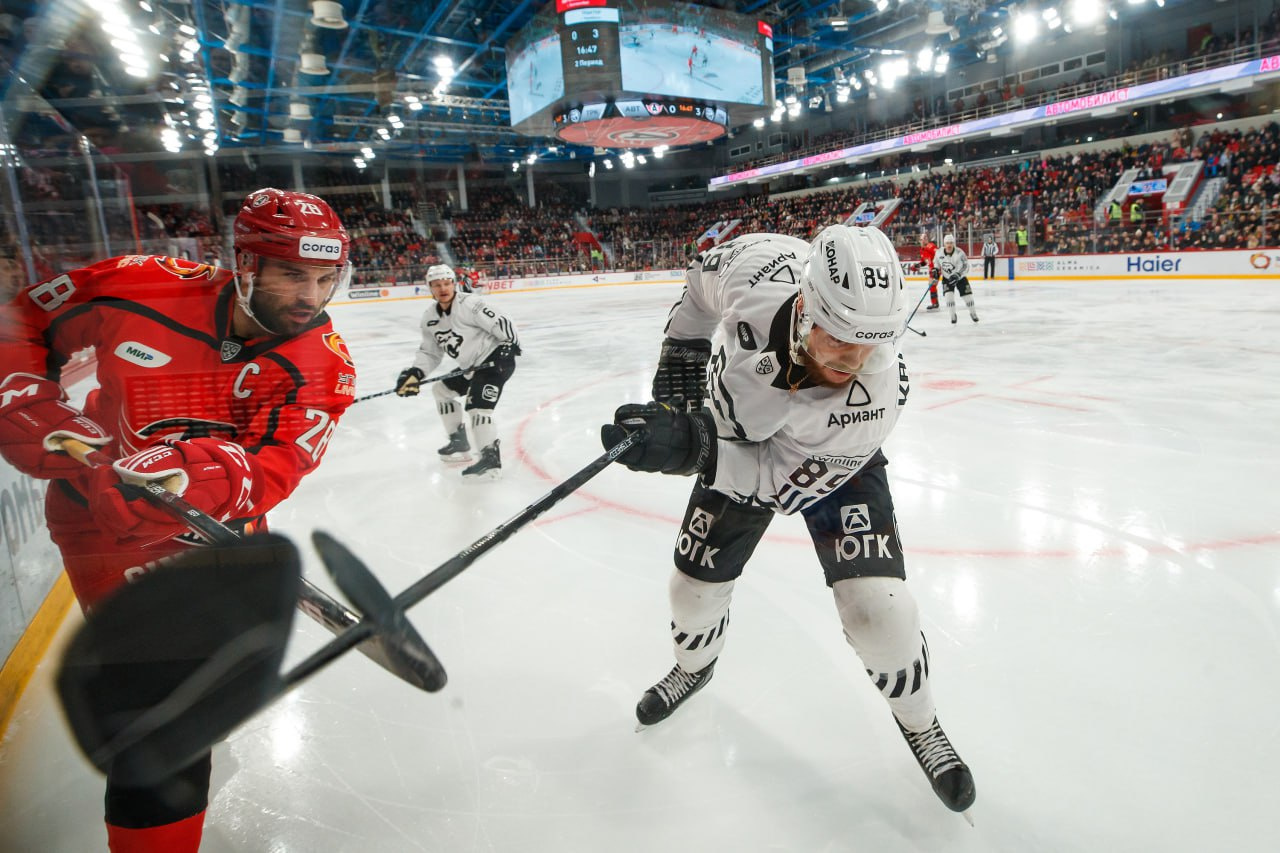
pixel 949 776
pixel 488 466
pixel 932 308
pixel 662 699
pixel 458 449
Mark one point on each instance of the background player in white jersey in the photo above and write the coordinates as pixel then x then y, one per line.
pixel 463 327
pixel 805 384
pixel 953 263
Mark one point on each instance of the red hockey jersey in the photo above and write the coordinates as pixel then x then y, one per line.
pixel 169 366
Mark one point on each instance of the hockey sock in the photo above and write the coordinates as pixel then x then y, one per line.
pixel 699 616
pixel 483 429
pixel 179 837
pixel 449 407
pixel 882 623
pixel 968 301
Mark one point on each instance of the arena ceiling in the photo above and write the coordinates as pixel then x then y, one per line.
pixel 212 75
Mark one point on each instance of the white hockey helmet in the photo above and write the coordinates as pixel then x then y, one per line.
pixel 949 240
pixel 852 286
pixel 438 271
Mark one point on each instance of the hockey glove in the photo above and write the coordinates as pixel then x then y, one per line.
pixel 676 442
pixel 213 475
pixel 505 352
pixel 408 383
pixel 32 415
pixel 681 378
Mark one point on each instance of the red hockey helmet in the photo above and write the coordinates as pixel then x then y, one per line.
pixel 288 226
pixel 291 226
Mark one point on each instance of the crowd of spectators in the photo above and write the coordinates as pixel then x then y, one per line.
pixel 1056 199
pixel 1011 93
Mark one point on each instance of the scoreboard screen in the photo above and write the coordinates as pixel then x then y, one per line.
pixel 580 52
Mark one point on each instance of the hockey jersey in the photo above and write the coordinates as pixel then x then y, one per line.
pixel 927 253
pixel 784 442
pixel 169 367
pixel 953 265
pixel 467 333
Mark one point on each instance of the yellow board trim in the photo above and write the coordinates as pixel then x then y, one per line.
pixel 31 648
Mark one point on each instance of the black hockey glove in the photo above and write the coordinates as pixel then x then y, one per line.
pixel 676 442
pixel 935 274
pixel 505 352
pixel 681 378
pixel 408 383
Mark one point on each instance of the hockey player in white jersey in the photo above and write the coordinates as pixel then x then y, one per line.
pixel 954 265
pixel 805 384
pixel 463 327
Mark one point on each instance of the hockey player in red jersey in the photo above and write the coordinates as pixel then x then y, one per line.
pixel 229 382
pixel 928 249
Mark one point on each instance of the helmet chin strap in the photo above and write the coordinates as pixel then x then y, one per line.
pixel 244 299
pixel 793 339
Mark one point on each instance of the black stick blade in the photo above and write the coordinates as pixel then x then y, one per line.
pixel 166 667
pixel 405 652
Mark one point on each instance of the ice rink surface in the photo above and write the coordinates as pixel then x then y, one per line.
pixel 1085 483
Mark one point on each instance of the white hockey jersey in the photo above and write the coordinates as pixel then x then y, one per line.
pixel 784 442
pixel 953 265
pixel 468 332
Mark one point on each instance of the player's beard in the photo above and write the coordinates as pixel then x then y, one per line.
pixel 816 375
pixel 281 318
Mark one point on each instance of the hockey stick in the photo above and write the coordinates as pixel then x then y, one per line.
pixel 461 371
pixel 193 678
pixel 401 652
pixel 919 302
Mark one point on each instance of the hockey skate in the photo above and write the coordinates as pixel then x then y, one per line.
pixel 458 449
pixel 953 318
pixel 662 699
pixel 974 316
pixel 949 776
pixel 932 308
pixel 488 466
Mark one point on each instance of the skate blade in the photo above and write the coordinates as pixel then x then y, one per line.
pixel 484 475
pixel 456 459
pixel 640 727
pixel 965 814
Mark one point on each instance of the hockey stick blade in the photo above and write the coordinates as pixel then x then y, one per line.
pixel 167 666
pixel 162 731
pixel 312 601
pixel 456 565
pixel 398 638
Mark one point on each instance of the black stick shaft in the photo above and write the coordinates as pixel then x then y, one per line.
pixel 450 375
pixel 457 564
pixel 918 303
pixel 313 601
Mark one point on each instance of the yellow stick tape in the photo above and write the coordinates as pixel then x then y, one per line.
pixel 31 647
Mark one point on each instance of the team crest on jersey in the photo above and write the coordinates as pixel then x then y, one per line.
pixel 449 341
pixel 230 349
pixel 765 365
pixel 338 346
pixel 186 269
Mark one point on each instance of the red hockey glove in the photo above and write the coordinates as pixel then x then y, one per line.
pixel 213 475
pixel 32 416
